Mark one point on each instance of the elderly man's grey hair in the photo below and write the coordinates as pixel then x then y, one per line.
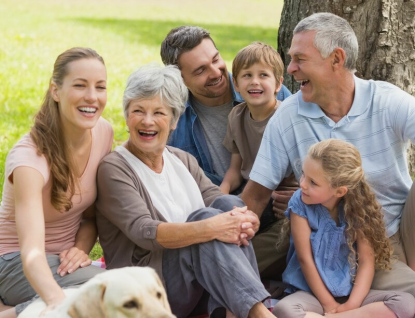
pixel 153 80
pixel 180 40
pixel 332 32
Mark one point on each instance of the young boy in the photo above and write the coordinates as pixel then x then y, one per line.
pixel 257 75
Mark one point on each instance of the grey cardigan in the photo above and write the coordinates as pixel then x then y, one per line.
pixel 126 217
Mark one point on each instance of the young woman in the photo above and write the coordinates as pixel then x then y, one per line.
pixel 47 226
pixel 338 237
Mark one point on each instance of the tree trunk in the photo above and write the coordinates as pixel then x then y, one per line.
pixel 385 30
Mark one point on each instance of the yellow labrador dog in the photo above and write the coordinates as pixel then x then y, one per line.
pixel 129 292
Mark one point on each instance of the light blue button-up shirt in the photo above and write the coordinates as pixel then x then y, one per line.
pixel 380 123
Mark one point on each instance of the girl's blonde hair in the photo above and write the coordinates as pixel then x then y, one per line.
pixel 48 137
pixel 342 166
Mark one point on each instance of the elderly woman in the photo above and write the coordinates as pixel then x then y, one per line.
pixel 156 208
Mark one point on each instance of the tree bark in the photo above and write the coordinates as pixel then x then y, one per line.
pixel 385 30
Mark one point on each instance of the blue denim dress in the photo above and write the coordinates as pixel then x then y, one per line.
pixel 329 247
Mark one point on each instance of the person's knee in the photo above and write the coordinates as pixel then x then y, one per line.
pixel 400 278
pixel 286 308
pixel 227 202
pixel 202 214
pixel 402 304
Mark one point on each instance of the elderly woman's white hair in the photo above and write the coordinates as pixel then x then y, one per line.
pixel 153 80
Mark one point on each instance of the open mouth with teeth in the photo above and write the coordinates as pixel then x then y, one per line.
pixel 147 133
pixel 303 83
pixel 88 110
pixel 255 92
pixel 215 82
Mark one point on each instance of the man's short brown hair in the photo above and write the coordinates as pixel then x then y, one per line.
pixel 180 40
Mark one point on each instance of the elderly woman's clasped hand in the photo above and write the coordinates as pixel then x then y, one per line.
pixel 238 226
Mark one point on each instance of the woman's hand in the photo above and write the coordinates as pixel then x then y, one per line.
pixel 249 228
pixel 236 226
pixel 71 260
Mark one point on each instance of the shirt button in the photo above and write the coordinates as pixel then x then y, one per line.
pixel 148 233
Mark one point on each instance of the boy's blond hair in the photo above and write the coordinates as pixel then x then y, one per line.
pixel 258 52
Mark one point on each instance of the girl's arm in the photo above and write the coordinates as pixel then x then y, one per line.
pixel 30 223
pixel 78 255
pixel 300 231
pixel 364 275
pixel 233 178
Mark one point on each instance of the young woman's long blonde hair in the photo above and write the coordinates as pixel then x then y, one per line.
pixel 48 137
pixel 342 166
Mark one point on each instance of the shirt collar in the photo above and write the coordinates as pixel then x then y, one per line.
pixel 361 101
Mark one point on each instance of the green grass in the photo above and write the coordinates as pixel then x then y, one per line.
pixel 127 33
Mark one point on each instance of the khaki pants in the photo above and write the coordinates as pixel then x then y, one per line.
pixel 407 228
pixel 271 260
pixel 401 277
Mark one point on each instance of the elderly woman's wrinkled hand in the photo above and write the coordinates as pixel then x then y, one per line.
pixel 249 227
pixel 235 226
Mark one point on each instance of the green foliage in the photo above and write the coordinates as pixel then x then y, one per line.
pixel 127 33
pixel 96 252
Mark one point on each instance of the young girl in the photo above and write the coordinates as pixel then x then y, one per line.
pixel 337 239
pixel 47 223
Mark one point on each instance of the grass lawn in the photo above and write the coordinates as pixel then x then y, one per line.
pixel 127 33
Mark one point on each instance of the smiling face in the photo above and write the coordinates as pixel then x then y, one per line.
pixel 258 86
pixel 315 188
pixel 149 122
pixel 204 73
pixel 310 69
pixel 82 96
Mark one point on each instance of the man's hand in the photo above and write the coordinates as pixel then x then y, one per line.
pixel 280 203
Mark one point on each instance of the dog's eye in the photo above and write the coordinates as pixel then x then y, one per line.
pixel 131 304
pixel 159 295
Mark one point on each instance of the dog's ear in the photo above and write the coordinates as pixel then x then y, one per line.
pixel 164 299
pixel 90 302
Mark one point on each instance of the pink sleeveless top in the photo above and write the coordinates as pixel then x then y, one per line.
pixel 60 228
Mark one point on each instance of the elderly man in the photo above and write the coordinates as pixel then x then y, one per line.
pixel 202 128
pixel 377 117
